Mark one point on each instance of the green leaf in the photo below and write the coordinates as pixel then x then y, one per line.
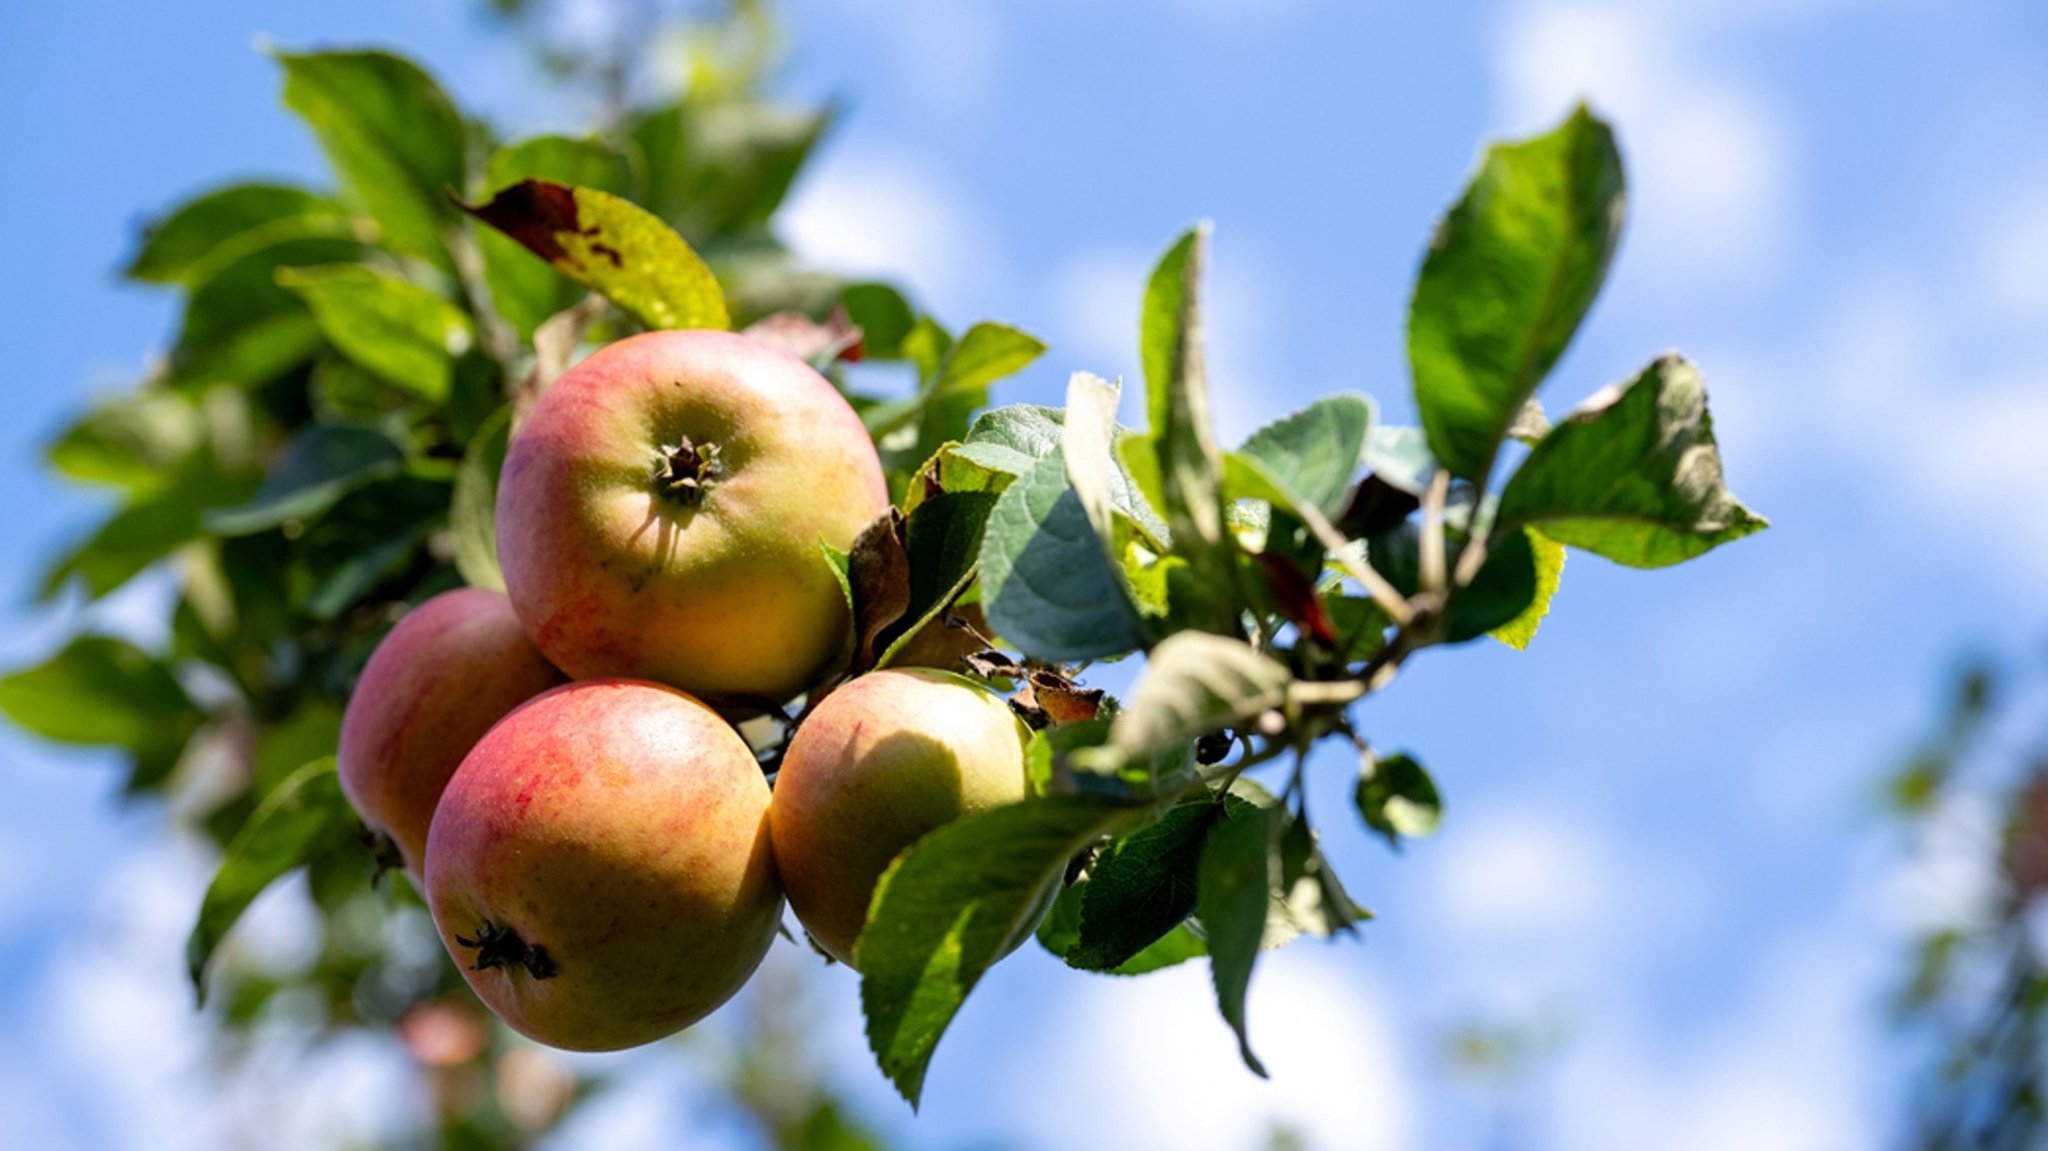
pixel 1010 440
pixel 1313 453
pixel 373 534
pixel 524 289
pixel 394 138
pixel 306 817
pixel 1177 402
pixel 841 564
pixel 717 169
pixel 101 691
pixel 1062 928
pixel 1312 898
pixel 1397 798
pixel 472 514
pixel 321 464
pixel 1013 438
pixel 130 441
pixel 1361 626
pixel 242 328
pixel 1089 447
pixel 883 317
pixel 1400 457
pixel 149 527
pixel 1549 556
pixel 927 345
pixel 214 229
pixel 1634 475
pixel 1506 588
pixel 1046 585
pixel 986 353
pixel 1142 886
pixel 1511 271
pixel 947 909
pixel 1173 948
pixel 1234 884
pixel 943 539
pixel 612 246
pixel 1196 683
pixel 955 383
pixel 404 333
pixel 1048 756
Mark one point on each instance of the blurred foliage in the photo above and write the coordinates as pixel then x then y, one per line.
pixel 290 465
pixel 1975 995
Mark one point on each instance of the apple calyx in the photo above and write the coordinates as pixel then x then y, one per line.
pixel 684 469
pixel 500 946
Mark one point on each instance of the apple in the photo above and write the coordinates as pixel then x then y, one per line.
pixel 660 512
pixel 881 762
pixel 600 868
pixel 451 668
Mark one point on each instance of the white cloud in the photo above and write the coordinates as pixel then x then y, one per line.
pixel 876 213
pixel 1536 909
pixel 1786 1071
pixel 2012 253
pixel 1148 1064
pixel 1512 875
pixel 1891 382
pixel 117 1028
pixel 1709 159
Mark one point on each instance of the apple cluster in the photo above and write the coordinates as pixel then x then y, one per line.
pixel 557 764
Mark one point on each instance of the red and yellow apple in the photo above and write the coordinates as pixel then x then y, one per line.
pixel 600 867
pixel 451 668
pixel 660 512
pixel 880 763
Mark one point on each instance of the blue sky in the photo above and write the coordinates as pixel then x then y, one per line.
pixel 1661 840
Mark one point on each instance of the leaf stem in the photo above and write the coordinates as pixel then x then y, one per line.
pixel 500 341
pixel 1431 562
pixel 1384 595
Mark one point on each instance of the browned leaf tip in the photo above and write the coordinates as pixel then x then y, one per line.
pixel 991 664
pixel 1059 698
pixel 535 212
pixel 1295 595
pixel 878 567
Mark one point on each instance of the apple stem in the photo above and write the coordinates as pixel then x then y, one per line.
pixel 500 946
pixel 684 469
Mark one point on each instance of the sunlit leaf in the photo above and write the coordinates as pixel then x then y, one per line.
pixel 1549 555
pixel 404 333
pixel 1635 475
pixel 472 514
pixel 524 288
pixel 212 230
pixel 1313 453
pixel 1510 272
pixel 1397 798
pixel 612 246
pixel 1195 683
pixel 306 816
pixel 951 906
pixel 394 138
pixel 1190 467
pixel 1047 586
pixel 101 691
pixel 1234 885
